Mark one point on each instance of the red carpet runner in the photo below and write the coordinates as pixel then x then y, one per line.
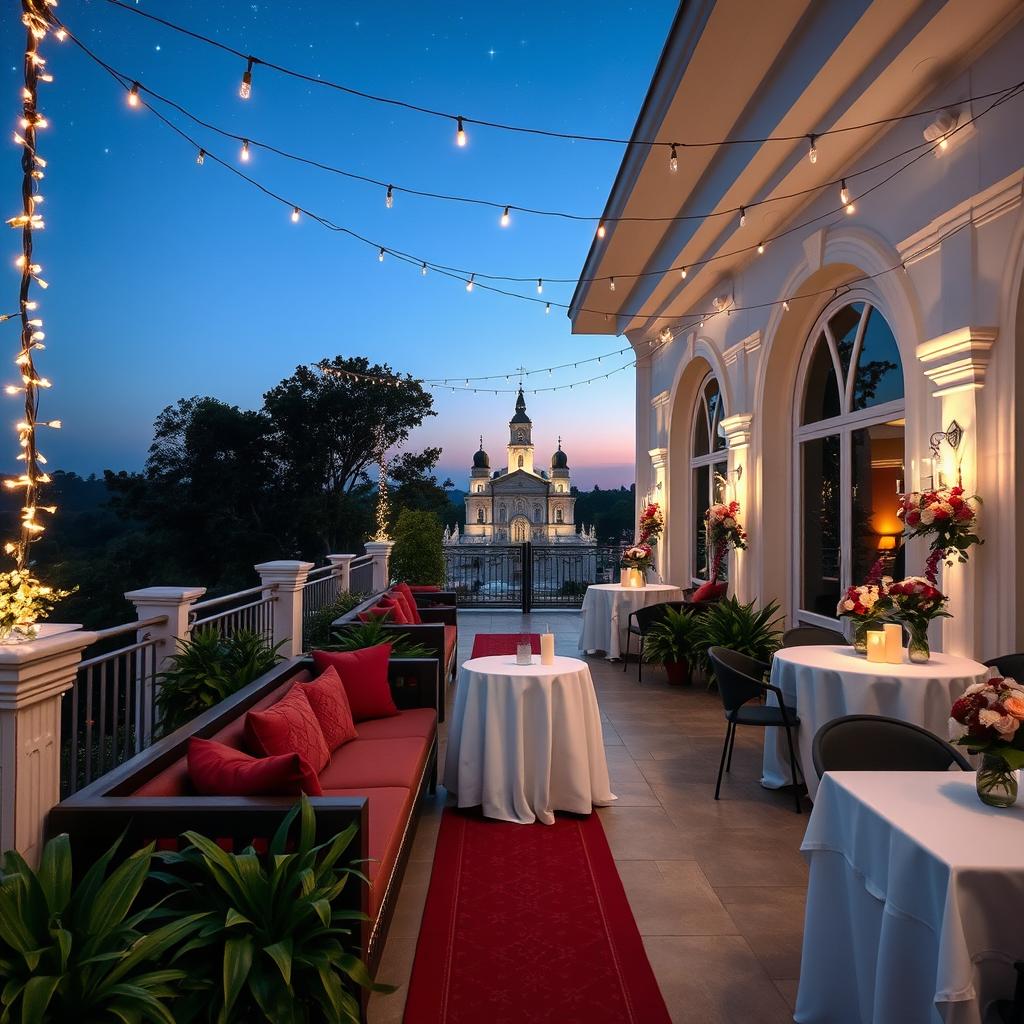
pixel 529 924
pixel 488 645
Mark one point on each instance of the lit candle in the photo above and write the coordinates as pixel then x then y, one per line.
pixel 893 643
pixel 876 645
pixel 547 648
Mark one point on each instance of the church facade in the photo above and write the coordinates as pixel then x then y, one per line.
pixel 520 503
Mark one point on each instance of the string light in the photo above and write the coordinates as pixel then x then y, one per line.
pixel 133 95
pixel 600 230
pixel 785 305
pixel 245 151
pixel 460 134
pixel 540 286
pixel 760 248
pixel 673 159
pixel 611 284
pixel 812 152
pixel 547 307
pixel 201 157
pixel 423 270
pixel 469 283
pixel 682 273
pixel 245 89
pixel 850 208
pixel 844 193
pixel 743 216
pixel 389 198
pixel 380 255
pixel 505 218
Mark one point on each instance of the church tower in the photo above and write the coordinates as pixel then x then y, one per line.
pixel 520 443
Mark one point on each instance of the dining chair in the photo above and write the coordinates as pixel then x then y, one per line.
pixel 1011 1011
pixel 1010 666
pixel 639 625
pixel 873 743
pixel 812 636
pixel 741 680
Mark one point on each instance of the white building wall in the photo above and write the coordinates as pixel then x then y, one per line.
pixel 965 288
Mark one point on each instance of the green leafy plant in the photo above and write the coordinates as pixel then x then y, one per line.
pixel 357 635
pixel 72 953
pixel 672 639
pixel 755 632
pixel 418 555
pixel 274 944
pixel 317 631
pixel 206 669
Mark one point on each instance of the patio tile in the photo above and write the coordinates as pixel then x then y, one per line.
pixel 752 856
pixel 644 833
pixel 673 898
pixel 395 969
pixel 634 794
pixel 771 919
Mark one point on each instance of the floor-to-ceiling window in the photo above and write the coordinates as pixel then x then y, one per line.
pixel 849 456
pixel 708 468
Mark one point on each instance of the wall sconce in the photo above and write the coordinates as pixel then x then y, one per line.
pixel 952 435
pixel 730 479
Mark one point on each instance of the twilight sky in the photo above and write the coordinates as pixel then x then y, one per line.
pixel 169 279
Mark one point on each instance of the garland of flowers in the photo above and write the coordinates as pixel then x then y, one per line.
pixel 652 524
pixel 947 514
pixel 723 530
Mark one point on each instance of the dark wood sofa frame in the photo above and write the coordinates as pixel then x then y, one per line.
pixel 99 813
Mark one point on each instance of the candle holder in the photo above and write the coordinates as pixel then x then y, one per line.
pixel 524 653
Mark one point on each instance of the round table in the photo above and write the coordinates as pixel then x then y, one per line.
pixel 525 741
pixel 823 683
pixel 606 610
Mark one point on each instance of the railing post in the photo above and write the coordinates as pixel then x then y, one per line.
pixel 381 552
pixel 343 565
pixel 33 675
pixel 173 602
pixel 288 578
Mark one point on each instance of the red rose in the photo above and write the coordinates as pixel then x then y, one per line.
pixel 913 517
pixel 941 513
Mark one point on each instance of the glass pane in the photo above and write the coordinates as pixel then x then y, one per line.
pixel 700 431
pixel 879 369
pixel 715 412
pixel 719 486
pixel 820 525
pixel 701 501
pixel 844 329
pixel 821 393
pixel 877 469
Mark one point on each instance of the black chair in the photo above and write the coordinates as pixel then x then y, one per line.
pixel 1011 1011
pixel 639 625
pixel 872 743
pixel 812 636
pixel 741 680
pixel 1011 666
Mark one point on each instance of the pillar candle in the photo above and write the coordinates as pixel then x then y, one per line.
pixel 893 643
pixel 876 645
pixel 547 648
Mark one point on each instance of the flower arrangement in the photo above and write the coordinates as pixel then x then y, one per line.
pixel 23 601
pixel 915 601
pixel 652 523
pixel 947 514
pixel 722 525
pixel 865 605
pixel 987 720
pixel 638 556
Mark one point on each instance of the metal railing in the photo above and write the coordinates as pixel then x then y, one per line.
pixel 560 573
pixel 360 579
pixel 109 714
pixel 489 575
pixel 250 609
pixel 321 589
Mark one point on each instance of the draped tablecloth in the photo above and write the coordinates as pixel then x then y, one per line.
pixel 823 683
pixel 914 901
pixel 606 609
pixel 525 741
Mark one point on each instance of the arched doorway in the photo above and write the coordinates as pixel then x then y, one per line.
pixel 520 530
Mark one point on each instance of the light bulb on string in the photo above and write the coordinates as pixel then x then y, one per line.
pixel 540 286
pixel 469 283
pixel 812 152
pixel 682 274
pixel 245 89
pixel 380 254
pixel 201 157
pixel 844 193
pixel 743 215
pixel 673 159
pixel 295 215
pixel 423 270
pixel 547 308
pixel 245 151
pixel 389 198
pixel 505 218
pixel 785 305
pixel 611 284
pixel 460 134
pixel 133 95
pixel 760 248
pixel 601 230
pixel 851 209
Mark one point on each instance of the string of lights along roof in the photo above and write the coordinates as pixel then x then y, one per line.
pixel 37 22
pixel 473 279
pixel 460 120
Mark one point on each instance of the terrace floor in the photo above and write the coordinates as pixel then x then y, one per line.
pixel 717 889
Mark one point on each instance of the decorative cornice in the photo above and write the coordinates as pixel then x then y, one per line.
pixel 659 457
pixel 737 429
pixel 957 361
pixel 661 398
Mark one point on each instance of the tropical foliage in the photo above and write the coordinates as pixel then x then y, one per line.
pixel 357 635
pixel 756 632
pixel 674 638
pixel 317 630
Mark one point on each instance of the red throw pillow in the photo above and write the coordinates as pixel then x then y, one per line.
pixel 364 674
pixel 424 588
pixel 710 591
pixel 410 602
pixel 399 615
pixel 376 612
pixel 288 727
pixel 219 770
pixel 327 698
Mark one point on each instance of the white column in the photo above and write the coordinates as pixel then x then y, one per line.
pixel 659 492
pixel 288 577
pixel 737 437
pixel 33 676
pixel 381 552
pixel 956 365
pixel 343 569
pixel 173 602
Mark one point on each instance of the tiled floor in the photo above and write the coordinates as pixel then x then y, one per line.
pixel 717 889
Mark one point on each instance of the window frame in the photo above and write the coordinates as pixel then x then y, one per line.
pixel 708 462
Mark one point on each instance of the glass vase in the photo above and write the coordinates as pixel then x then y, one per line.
pixel 860 635
pixel 918 650
pixel 996 781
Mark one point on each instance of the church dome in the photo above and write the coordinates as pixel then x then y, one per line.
pixel 481 460
pixel 559 460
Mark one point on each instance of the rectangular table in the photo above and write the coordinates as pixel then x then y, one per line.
pixel 915 903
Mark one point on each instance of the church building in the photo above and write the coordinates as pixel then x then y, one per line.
pixel 520 503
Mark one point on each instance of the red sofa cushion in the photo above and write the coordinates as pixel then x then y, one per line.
pixel 410 602
pixel 217 770
pixel 451 638
pixel 327 698
pixel 399 613
pixel 710 591
pixel 287 727
pixel 418 723
pixel 364 674
pixel 376 612
pixel 424 588
pixel 385 762
pixel 389 810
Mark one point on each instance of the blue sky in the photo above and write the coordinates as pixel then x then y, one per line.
pixel 169 279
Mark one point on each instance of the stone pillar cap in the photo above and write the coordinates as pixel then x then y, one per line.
pixel 164 595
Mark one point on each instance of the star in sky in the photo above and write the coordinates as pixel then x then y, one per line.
pixel 491 52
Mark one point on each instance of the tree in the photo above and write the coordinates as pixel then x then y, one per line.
pixel 415 485
pixel 418 554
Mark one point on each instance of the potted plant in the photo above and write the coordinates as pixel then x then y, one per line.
pixel 753 631
pixel 670 642
pixel 357 635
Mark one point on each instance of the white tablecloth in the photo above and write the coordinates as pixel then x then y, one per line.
pixel 914 901
pixel 823 683
pixel 606 610
pixel 525 741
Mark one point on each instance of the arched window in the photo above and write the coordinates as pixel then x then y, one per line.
pixel 479 488
pixel 560 488
pixel 520 463
pixel 558 515
pixel 708 468
pixel 502 514
pixel 479 515
pixel 849 437
pixel 536 513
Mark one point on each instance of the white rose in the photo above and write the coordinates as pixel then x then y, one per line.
pixel 849 605
pixel 986 716
pixel 927 517
pixel 957 730
pixel 729 522
pixel 974 688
